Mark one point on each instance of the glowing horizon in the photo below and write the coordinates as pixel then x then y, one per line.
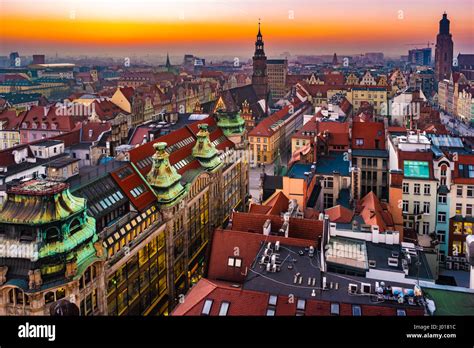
pixel 228 26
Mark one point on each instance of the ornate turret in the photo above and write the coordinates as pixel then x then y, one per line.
pixel 204 151
pixel 48 236
pixel 164 178
pixel 230 122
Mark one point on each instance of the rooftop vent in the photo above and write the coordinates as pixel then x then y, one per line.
pixel 392 262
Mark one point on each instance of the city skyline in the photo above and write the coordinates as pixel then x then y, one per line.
pixel 225 27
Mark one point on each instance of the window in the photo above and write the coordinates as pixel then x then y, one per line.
pixel 234 262
pixel 406 187
pixel 442 199
pixel 405 206
pixel 442 237
pixel 137 191
pixel 470 191
pixel 224 308
pixel 328 182
pixel 416 207
pixel 469 209
pixel 270 312
pixel 206 309
pixel 459 191
pixel 417 189
pixel 401 313
pixel 426 207
pixel 427 189
pixel 458 208
pixel 359 142
pixel 356 311
pixel 272 300
pixel 334 308
pixel 442 217
pixel 301 305
pixel 426 228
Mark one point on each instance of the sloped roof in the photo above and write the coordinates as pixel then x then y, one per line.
pixel 340 214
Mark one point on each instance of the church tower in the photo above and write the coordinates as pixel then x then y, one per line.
pixel 444 50
pixel 259 76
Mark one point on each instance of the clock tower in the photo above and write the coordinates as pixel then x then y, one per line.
pixel 259 76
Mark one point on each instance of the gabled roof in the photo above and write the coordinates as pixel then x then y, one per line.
pixel 339 214
pixel 374 212
pixel 92 131
pixel 10 119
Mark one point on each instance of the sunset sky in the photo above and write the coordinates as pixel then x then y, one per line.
pixel 228 27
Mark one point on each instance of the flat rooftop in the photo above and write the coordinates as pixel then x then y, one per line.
pixel 299 274
pixel 63 162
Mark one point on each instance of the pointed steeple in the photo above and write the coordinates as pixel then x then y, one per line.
pixel 205 151
pixel 168 63
pixel 164 178
pixel 259 52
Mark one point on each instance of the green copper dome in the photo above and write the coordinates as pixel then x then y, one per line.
pixel 230 123
pixel 164 178
pixel 204 151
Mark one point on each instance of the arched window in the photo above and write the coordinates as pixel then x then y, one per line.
pixel 52 234
pixel 74 226
pixel 49 297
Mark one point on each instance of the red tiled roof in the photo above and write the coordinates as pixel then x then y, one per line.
pixel 370 132
pixel 127 92
pixel 299 228
pixel 278 204
pixel 146 150
pixel 225 242
pixel 374 212
pixel 11 120
pixel 132 181
pixel 244 302
pixel 106 110
pixel 339 214
pixel 338 132
pixel 462 160
pixel 48 116
pixel 263 128
pixel 92 131
pixel 396 129
pixel 259 209
pixel 140 134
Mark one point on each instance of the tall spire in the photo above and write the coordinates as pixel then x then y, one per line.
pixel 259 52
pixel 168 63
